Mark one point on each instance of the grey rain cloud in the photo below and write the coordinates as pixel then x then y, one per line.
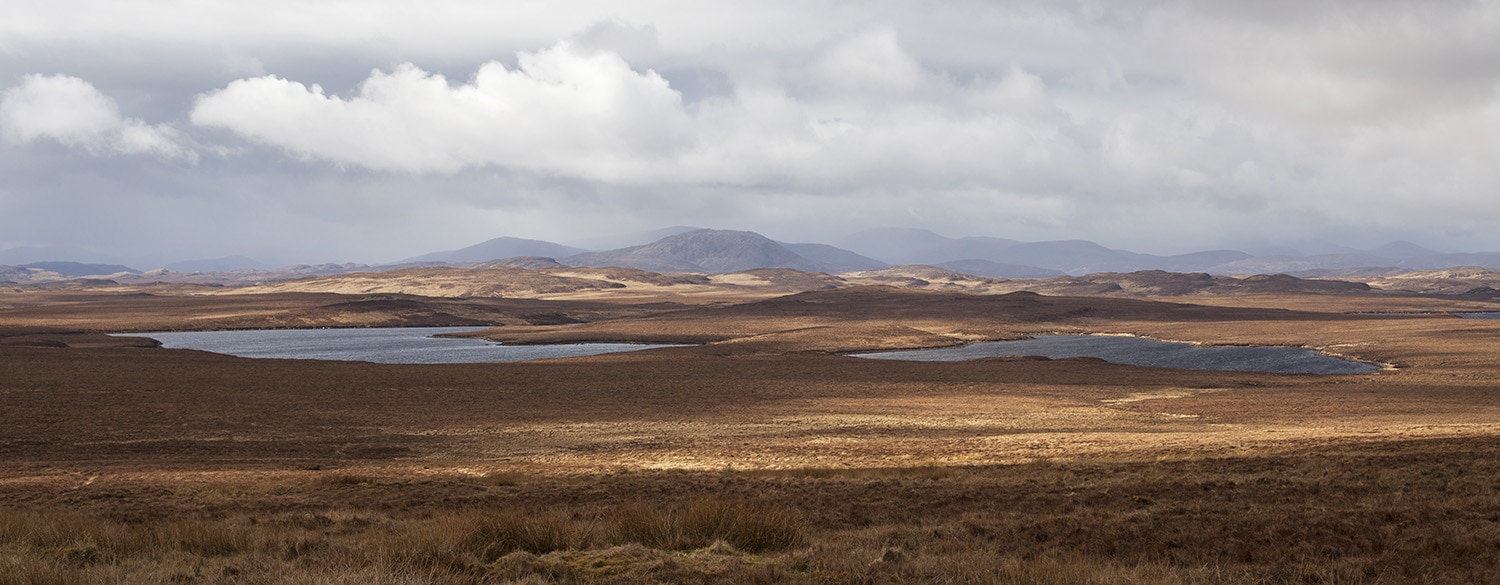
pixel 370 131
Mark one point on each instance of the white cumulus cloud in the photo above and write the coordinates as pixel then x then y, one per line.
pixel 562 110
pixel 866 110
pixel 1173 108
pixel 73 112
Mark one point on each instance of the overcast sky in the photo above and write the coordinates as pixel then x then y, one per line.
pixel 374 130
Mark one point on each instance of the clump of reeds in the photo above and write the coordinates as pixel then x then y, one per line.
pixel 750 527
pixel 497 534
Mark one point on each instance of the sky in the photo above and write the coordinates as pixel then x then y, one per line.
pixel 375 130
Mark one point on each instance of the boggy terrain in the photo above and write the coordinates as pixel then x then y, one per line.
pixel 761 455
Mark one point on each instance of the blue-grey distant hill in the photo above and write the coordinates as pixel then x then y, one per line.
pixel 496 249
pixel 684 249
pixel 979 267
pixel 32 254
pixel 1403 251
pixel 225 264
pixel 1301 248
pixel 1361 263
pixel 81 269
pixel 916 246
pixel 674 249
pixel 1438 261
pixel 833 259
pixel 710 251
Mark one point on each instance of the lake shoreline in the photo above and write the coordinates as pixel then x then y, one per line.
pixel 387 345
pixel 1142 351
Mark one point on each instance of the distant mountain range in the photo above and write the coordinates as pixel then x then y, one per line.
pixel 681 249
pixel 1079 257
pixel 687 249
pixel 1076 257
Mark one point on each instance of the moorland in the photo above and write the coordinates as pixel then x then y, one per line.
pixel 761 453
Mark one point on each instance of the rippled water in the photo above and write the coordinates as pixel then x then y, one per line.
pixel 1140 351
pixel 396 345
pixel 1479 315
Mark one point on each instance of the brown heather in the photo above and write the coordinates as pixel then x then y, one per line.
pixel 762 457
pixel 1365 513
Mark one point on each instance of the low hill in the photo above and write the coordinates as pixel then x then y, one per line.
pixel 527 262
pixel 442 282
pixel 489 280
pixel 781 279
pixel 24 275
pixel 1451 281
pixel 1159 283
pixel 921 276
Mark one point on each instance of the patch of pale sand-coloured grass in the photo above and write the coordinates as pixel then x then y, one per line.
pixel 887 432
pixel 1160 395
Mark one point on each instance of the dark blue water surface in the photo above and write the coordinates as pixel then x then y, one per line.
pixel 1479 315
pixel 1140 351
pixel 395 345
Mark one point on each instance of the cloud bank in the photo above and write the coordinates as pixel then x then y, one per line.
pixel 584 114
pixel 867 110
pixel 864 114
pixel 1158 125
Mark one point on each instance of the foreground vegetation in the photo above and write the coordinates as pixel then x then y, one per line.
pixel 763 457
pixel 1408 512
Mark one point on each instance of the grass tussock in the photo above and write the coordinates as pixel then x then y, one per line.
pixel 504 478
pixel 496 534
pixel 747 526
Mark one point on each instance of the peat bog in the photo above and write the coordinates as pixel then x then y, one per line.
pixel 764 455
